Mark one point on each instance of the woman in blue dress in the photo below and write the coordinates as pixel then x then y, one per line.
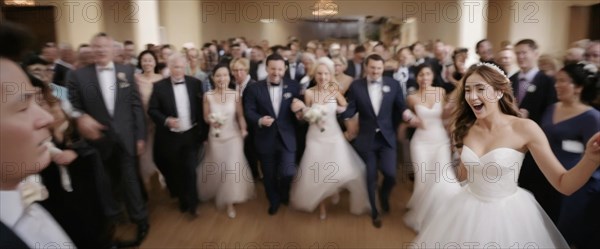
pixel 569 124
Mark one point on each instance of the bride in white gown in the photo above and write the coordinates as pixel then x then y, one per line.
pixel 435 178
pixel 224 173
pixel 329 163
pixel 492 211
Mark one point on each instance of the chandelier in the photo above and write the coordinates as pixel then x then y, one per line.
pixel 325 8
pixel 20 2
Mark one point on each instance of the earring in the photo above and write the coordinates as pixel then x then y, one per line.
pixel 500 96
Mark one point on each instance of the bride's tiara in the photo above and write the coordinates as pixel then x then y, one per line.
pixel 492 66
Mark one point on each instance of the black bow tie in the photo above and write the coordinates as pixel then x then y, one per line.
pixel 274 84
pixel 180 82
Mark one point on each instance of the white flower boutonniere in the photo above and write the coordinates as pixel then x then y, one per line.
pixel 122 78
pixel 287 95
pixel 386 89
pixel 531 88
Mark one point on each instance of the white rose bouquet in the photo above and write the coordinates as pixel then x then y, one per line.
pixel 217 118
pixel 315 115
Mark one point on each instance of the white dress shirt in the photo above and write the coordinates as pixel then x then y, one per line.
pixel 376 94
pixel 276 92
pixel 261 71
pixel 241 88
pixel 33 224
pixel 293 70
pixel 182 102
pixel 107 79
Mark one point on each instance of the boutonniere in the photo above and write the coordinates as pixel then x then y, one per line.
pixel 531 88
pixel 122 80
pixel 287 95
pixel 386 89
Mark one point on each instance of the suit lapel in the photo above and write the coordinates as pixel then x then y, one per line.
pixel 171 97
pixel 118 70
pixel 96 83
pixel 384 95
pixel 365 90
pixel 264 91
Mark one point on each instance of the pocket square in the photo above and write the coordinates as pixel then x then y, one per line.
pixel 573 146
pixel 287 95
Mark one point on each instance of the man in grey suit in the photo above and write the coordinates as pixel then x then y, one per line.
pixel 110 117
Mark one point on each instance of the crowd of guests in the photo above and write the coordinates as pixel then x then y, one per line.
pixel 191 115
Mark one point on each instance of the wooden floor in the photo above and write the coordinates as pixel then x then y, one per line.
pixel 254 228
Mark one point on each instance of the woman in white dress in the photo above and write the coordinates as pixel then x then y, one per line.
pixel 435 177
pixel 329 164
pixel 224 173
pixel 492 210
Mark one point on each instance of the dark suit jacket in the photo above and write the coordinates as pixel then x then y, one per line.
pixel 8 239
pixel 392 106
pixel 538 100
pixel 297 76
pixel 253 69
pixel 162 105
pixel 257 104
pixel 127 125
pixel 60 74
pixel 351 70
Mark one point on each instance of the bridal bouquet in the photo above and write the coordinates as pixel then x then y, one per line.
pixel 315 115
pixel 217 118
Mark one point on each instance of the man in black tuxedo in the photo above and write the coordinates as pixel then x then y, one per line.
pixel 267 107
pixel 534 92
pixel 176 109
pixel 355 64
pixel 110 117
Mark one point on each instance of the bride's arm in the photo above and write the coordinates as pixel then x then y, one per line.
pixel 240 118
pixel 566 182
pixel 206 108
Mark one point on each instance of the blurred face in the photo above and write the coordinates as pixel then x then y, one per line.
pixel 526 57
pixel 378 50
pixel 481 96
pixel 50 54
pixel 485 51
pixel 240 73
pixel 425 77
pixel 85 56
pixel 338 66
pixel 165 53
pixel 308 63
pixel 177 68
pixel 459 62
pixel 419 51
pixel 42 72
pixel 405 57
pixel 130 50
pixel 23 127
pixel 256 55
pixel 148 63
pixel 275 70
pixel 286 54
pixel 236 52
pixel 565 89
pixel 592 54
pixel 439 50
pixel 506 58
pixel 221 78
pixel 192 56
pixel 67 55
pixel 102 49
pixel 322 75
pixel 360 56
pixel 374 69
pixel 320 52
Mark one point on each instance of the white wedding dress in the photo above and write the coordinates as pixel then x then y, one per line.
pixel 224 173
pixel 492 211
pixel 435 177
pixel 329 164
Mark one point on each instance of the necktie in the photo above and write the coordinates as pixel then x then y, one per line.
pixel 522 90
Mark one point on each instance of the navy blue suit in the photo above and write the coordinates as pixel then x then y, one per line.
pixel 276 145
pixel 376 140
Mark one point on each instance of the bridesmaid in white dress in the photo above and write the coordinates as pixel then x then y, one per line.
pixel 224 173
pixel 491 210
pixel 145 81
pixel 435 178
pixel 329 164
